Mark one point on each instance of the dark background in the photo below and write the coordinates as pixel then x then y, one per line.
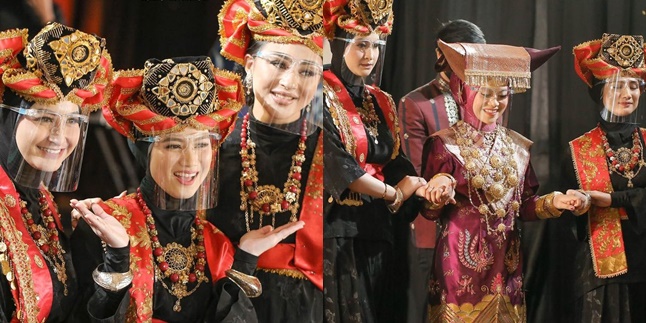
pixel 556 109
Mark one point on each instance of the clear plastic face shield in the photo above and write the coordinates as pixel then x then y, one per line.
pixel 47 145
pixel 184 168
pixel 620 99
pixel 363 59
pixel 491 105
pixel 284 80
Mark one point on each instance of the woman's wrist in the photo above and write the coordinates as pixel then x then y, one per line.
pixel 447 175
pixel 397 203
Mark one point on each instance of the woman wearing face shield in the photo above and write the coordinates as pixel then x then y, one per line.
pixel 50 86
pixel 606 164
pixel 271 164
pixel 161 260
pixel 481 183
pixel 367 178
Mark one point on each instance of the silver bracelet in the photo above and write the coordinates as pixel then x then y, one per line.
pixel 113 282
pixel 250 285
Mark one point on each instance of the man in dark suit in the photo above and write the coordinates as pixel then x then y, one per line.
pixel 422 112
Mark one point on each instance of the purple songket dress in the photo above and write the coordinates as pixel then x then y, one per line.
pixel 478 274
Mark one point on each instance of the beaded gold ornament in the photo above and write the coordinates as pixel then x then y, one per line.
pixel 369 116
pixel 267 200
pixel 626 162
pixel 46 237
pixel 181 265
pixel 491 171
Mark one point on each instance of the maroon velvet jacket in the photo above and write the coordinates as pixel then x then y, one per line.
pixel 421 113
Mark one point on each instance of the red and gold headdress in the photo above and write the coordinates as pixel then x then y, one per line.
pixel 602 58
pixel 170 95
pixel 279 21
pixel 61 63
pixel 359 17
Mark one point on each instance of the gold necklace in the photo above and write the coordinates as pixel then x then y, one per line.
pixel 181 265
pixel 492 171
pixel 369 116
pixel 268 200
pixel 46 237
pixel 625 162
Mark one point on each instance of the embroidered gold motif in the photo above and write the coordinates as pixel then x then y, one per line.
pixel 475 253
pixel 77 54
pixel 21 267
pixel 492 308
pixel 626 50
pixel 304 15
pixel 183 89
pixel 38 262
pixel 285 272
pixel 10 200
pixel 339 116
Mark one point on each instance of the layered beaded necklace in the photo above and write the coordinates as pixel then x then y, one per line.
pixel 492 170
pixel 268 200
pixel 181 265
pixel 624 161
pixel 369 116
pixel 46 237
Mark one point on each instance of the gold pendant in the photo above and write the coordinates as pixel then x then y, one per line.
pixel 177 307
pixel 4 262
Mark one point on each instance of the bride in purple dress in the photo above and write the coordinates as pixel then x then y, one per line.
pixel 481 183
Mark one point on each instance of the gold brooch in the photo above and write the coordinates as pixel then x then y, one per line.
pixel 78 54
pixel 183 89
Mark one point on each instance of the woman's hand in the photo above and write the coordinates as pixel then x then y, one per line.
pixel 439 191
pixel 569 201
pixel 410 184
pixel 600 199
pixel 104 225
pixel 582 205
pixel 258 241
pixel 76 215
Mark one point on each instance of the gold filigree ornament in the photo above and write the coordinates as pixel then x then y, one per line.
pixel 77 54
pixel 626 51
pixel 491 171
pixel 369 116
pixel 379 9
pixel 298 14
pixel 268 200
pixel 183 89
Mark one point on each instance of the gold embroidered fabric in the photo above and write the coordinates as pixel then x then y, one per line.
pixel 492 308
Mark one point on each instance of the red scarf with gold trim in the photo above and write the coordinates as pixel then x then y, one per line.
pixel 387 107
pixel 306 255
pixel 606 239
pixel 34 292
pixel 219 255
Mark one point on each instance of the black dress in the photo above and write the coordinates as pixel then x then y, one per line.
pixel 285 298
pixel 62 304
pixel 617 299
pixel 220 301
pixel 365 266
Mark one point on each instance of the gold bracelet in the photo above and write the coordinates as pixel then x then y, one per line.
pixel 451 178
pixel 545 208
pixel 250 285
pixel 383 196
pixel 586 205
pixel 113 282
pixel 540 208
pixel 399 198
